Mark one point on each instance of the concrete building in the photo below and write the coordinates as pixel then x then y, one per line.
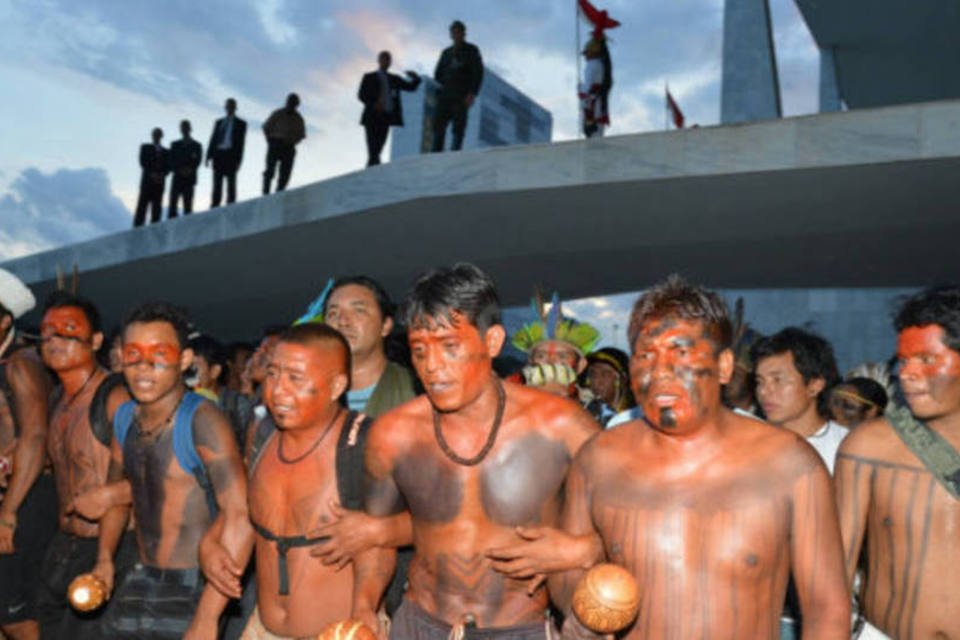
pixel 501 115
pixel 809 207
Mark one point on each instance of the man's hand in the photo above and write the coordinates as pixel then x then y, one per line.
pixel 350 533
pixel 468 100
pixel 105 571
pixel 219 567
pixel 8 527
pixel 413 75
pixel 90 505
pixel 372 620
pixel 542 550
pixel 206 163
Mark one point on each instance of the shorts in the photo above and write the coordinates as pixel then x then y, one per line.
pixel 256 631
pixel 36 524
pixel 67 557
pixel 410 622
pixel 153 604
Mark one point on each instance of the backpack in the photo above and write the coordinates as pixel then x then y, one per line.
pixel 349 457
pixel 184 448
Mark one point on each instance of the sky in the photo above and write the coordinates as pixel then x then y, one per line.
pixel 83 83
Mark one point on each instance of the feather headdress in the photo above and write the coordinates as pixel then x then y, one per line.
pixel 553 325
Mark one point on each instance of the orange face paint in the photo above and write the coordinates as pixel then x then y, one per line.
pixel 675 374
pixel 67 323
pixel 452 361
pixel 929 372
pixel 162 354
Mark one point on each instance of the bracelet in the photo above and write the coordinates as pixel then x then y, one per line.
pixel 8 524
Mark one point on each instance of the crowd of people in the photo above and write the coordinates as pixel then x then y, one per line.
pixel 379 464
pixel 459 74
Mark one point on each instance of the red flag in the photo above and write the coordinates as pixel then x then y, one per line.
pixel 675 112
pixel 600 20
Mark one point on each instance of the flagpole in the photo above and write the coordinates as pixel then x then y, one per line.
pixel 666 107
pixel 576 19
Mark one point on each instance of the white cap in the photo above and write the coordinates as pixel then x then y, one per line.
pixel 14 295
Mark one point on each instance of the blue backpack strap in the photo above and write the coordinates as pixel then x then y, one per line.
pixel 123 420
pixel 185 449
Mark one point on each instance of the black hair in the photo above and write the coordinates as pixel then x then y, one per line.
pixel 457 24
pixel 933 306
pixel 462 289
pixel 677 299
pixel 272 330
pixel 160 311
pixel 210 349
pixel 812 357
pixel 5 312
pixel 310 333
pixel 61 299
pixel 870 390
pixel 387 308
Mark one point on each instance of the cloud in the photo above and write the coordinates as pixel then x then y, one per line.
pixel 47 210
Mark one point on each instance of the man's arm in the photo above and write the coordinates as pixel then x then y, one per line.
pixel 241 139
pixel 476 72
pixel 30 386
pixel 852 489
pixel 218 451
pixel 113 522
pixel 351 533
pixel 441 69
pixel 213 135
pixel 816 553
pixel 410 84
pixel 374 568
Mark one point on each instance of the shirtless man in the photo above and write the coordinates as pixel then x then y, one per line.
pixel 182 461
pixel 886 493
pixel 80 453
pixel 710 511
pixel 27 494
pixel 479 464
pixel 293 481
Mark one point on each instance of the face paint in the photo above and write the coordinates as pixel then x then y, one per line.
pixel 929 372
pixel 160 356
pixel 452 361
pixel 66 323
pixel 67 339
pixel 298 388
pixel 153 362
pixel 675 374
pixel 555 352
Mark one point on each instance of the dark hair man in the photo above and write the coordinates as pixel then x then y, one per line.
pixel 380 94
pixel 479 464
pixel 78 443
pixel 179 454
pixel 898 481
pixel 710 511
pixel 185 156
pixel 226 150
pixel 28 500
pixel 284 130
pixel 459 72
pixel 857 400
pixel 209 362
pixel 155 163
pixel 794 371
pixel 295 477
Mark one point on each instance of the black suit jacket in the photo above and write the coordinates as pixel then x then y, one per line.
pixel 369 95
pixel 234 155
pixel 153 162
pixel 185 157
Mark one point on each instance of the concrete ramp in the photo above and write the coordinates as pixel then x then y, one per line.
pixel 860 199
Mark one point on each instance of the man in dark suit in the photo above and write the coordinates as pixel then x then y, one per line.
pixel 382 108
pixel 185 156
pixel 459 72
pixel 155 162
pixel 226 150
